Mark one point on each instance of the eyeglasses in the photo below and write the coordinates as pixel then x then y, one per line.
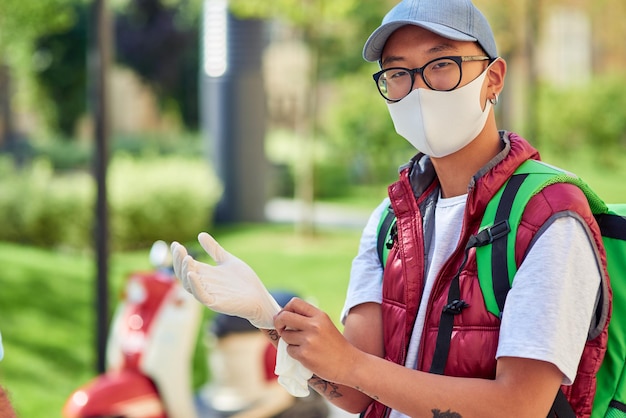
pixel 441 74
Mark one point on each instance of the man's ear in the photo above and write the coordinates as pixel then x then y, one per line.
pixel 495 76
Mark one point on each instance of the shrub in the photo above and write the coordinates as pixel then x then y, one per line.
pixel 39 208
pixel 160 198
pixel 331 174
pixel 66 154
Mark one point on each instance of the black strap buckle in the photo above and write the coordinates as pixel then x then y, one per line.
pixel 489 234
pixel 455 307
pixel 499 230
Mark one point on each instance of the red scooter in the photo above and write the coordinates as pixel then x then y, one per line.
pixel 150 351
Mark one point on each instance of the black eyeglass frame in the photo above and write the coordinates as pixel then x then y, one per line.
pixel 458 59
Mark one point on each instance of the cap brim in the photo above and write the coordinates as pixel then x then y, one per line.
pixel 376 42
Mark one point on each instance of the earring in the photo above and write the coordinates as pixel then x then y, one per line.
pixel 494 101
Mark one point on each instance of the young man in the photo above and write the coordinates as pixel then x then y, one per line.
pixel 441 77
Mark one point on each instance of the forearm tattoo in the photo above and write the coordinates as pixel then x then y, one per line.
pixel 273 334
pixel 328 389
pixel 447 414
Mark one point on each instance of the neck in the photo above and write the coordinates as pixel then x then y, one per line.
pixel 456 170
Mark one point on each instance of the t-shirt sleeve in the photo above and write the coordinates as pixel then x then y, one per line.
pixel 366 273
pixel 549 308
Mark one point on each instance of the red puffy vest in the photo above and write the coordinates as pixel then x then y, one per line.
pixel 475 338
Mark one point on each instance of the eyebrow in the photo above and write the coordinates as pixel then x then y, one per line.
pixel 434 50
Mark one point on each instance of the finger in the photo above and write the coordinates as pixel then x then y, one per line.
pixel 286 321
pixel 212 248
pixel 178 254
pixel 197 289
pixel 301 307
pixel 294 338
pixel 188 265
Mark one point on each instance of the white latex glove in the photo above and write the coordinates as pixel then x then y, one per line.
pixel 230 287
pixel 233 288
pixel 292 375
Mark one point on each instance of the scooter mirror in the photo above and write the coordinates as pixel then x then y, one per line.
pixel 160 256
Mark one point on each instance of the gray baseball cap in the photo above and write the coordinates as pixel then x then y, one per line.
pixel 458 20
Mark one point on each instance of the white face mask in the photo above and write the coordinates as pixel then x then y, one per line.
pixel 439 123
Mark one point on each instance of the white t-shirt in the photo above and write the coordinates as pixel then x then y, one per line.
pixel 539 320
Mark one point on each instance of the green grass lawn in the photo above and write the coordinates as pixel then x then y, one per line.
pixel 47 309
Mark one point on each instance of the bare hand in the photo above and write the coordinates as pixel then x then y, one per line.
pixel 314 340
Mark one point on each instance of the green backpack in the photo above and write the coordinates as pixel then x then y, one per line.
pixel 495 257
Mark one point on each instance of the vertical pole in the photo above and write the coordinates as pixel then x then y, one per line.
pixel 99 55
pixel 233 110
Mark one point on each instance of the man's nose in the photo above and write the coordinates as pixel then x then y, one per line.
pixel 418 82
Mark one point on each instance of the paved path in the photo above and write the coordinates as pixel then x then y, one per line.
pixel 325 214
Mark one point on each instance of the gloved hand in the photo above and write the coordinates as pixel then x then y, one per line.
pixel 233 288
pixel 230 287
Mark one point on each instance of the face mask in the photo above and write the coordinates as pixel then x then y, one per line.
pixel 439 123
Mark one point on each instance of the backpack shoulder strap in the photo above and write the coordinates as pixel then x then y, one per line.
pixel 613 223
pixel 496 260
pixel 384 234
pixel 611 378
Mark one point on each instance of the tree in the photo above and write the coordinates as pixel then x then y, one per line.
pixel 157 40
pixel 43 50
pixel 22 22
pixel 62 72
